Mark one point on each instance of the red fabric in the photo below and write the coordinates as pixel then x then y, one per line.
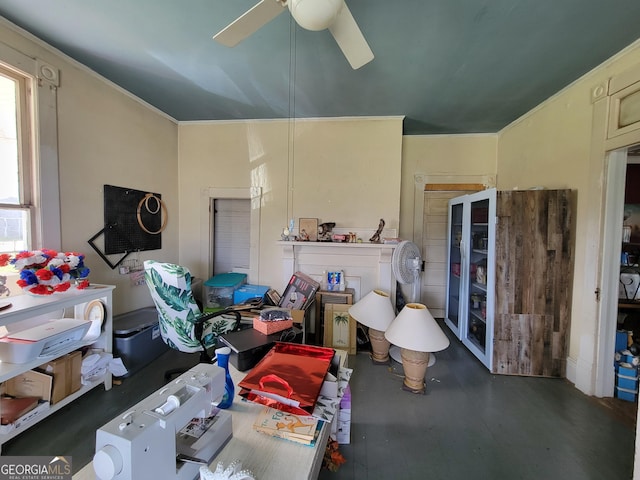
pixel 302 367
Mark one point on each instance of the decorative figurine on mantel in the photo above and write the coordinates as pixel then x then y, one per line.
pixel 287 231
pixel 324 231
pixel 376 236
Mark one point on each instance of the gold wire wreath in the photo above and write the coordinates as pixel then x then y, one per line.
pixel 159 205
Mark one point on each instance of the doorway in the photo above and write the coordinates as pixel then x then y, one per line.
pixel 628 312
pixel 435 248
pixel 231 233
pixel 616 193
pixel 209 198
pixel 430 227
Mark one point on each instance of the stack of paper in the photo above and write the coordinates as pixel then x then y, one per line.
pixel 296 428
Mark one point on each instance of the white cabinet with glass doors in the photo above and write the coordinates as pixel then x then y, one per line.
pixel 471 271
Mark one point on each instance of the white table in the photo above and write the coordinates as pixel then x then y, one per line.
pixel 267 457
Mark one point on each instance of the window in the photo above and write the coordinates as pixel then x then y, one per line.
pixel 16 160
pixel 29 209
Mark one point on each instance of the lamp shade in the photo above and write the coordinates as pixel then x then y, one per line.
pixel 415 329
pixel 374 310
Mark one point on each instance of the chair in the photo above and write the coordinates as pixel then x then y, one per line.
pixel 182 325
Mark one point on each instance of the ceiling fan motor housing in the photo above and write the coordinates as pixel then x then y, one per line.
pixel 315 14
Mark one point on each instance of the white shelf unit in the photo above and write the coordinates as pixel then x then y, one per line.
pixel 471 246
pixel 27 310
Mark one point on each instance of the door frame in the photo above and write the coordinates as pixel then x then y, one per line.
pixel 208 195
pixel 607 172
pixel 423 183
pixel 614 186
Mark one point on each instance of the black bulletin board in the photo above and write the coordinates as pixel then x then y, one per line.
pixel 122 232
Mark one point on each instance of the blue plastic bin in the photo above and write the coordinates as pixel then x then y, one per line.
pixel 621 340
pixel 628 383
pixel 219 289
pixel 248 291
pixel 625 394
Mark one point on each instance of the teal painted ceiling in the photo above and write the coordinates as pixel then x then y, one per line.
pixel 448 66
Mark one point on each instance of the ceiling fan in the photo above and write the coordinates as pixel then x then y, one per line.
pixel 309 14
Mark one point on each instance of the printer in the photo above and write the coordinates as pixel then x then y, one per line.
pixel 44 340
pixel 169 434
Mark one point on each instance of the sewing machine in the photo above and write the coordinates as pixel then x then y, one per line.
pixel 168 435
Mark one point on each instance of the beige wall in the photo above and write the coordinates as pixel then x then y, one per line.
pixel 342 170
pixel 551 146
pixel 106 137
pixel 441 159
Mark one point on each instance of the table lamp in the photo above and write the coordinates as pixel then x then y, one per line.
pixel 417 334
pixel 375 311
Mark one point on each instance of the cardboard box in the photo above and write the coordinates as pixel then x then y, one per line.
pixel 268 328
pixel 66 375
pixel 298 316
pixel 30 384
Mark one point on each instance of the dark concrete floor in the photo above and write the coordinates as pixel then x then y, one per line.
pixel 470 424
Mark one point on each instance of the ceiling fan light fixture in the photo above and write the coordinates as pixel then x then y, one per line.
pixel 315 14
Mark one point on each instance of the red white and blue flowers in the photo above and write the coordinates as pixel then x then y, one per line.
pixel 43 272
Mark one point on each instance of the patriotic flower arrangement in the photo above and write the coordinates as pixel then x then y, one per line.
pixel 43 272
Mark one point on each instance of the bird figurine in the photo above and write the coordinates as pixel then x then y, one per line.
pixel 376 236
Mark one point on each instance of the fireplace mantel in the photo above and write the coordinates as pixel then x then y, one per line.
pixel 366 266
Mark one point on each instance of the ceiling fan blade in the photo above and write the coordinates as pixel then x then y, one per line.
pixel 350 39
pixel 260 14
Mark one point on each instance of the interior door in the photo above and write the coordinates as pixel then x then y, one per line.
pixel 231 234
pixel 435 217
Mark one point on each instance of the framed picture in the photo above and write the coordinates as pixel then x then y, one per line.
pixel 308 229
pixel 334 281
pixel 339 328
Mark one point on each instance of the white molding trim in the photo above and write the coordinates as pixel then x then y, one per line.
pixel 586 359
pixel 571 370
pixel 613 209
pixel 293 119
